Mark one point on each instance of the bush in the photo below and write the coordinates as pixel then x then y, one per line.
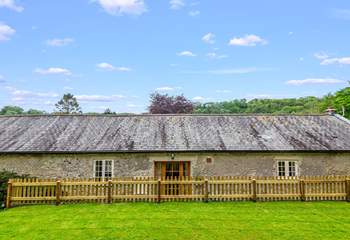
pixel 4 178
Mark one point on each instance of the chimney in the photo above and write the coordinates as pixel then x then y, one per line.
pixel 330 111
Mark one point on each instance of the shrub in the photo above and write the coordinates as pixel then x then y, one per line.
pixel 4 178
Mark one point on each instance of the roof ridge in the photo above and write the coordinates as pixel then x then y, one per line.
pixel 153 115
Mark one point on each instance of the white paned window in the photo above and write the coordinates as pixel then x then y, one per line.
pixel 103 169
pixel 287 168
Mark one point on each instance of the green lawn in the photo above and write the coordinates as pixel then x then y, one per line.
pixel 237 220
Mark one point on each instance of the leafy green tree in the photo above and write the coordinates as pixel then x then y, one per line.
pixel 11 110
pixel 270 106
pixel 342 102
pixel 35 112
pixel 68 105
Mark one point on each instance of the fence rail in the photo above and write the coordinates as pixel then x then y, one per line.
pixel 149 189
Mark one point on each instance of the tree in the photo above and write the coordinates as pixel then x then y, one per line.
pixel 35 112
pixel 108 111
pixel 68 105
pixel 342 101
pixel 11 110
pixel 165 104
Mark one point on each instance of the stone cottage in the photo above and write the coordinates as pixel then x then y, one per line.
pixel 175 145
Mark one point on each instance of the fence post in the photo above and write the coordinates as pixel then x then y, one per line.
pixel 348 189
pixel 58 192
pixel 206 189
pixel 9 194
pixel 254 198
pixel 158 190
pixel 302 190
pixel 109 200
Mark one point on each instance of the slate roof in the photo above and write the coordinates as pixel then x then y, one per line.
pixel 152 133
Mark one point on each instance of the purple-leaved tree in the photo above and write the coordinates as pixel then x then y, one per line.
pixel 165 104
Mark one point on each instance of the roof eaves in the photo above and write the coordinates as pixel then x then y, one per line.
pixel 178 151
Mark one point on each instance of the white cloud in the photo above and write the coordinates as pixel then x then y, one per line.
pixel 99 98
pixel 342 60
pixel 110 67
pixel 176 4
pixel 67 88
pixel 260 96
pixel 6 32
pixel 214 55
pixel 209 38
pixel 167 89
pixel 290 33
pixel 249 40
pixel 11 5
pixel 233 71
pixel 2 79
pixel 223 91
pixel 194 13
pixel 132 105
pixel 321 55
pixel 198 99
pixel 342 13
pixel 56 42
pixel 121 7
pixel 24 95
pixel 164 89
pixel 327 60
pixel 53 71
pixel 186 54
pixel 314 81
pixel 192 4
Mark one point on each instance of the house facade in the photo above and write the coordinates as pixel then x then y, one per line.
pixel 87 146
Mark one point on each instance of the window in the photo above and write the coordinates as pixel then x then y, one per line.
pixel 287 168
pixel 103 169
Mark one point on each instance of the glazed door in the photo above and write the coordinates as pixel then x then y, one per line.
pixel 174 170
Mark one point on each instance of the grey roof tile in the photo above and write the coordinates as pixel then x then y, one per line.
pixel 133 133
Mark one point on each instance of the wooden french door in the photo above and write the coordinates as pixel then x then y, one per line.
pixel 174 170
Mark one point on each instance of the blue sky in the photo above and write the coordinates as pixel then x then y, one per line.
pixel 114 53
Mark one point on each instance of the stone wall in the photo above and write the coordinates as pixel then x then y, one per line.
pixel 251 164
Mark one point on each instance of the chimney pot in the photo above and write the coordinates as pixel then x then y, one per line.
pixel 331 111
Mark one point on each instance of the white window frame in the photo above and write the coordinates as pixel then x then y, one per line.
pixel 103 168
pixel 286 167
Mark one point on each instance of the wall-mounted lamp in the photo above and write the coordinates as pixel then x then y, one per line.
pixel 172 156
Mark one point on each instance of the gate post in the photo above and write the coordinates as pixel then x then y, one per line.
pixel 158 191
pixel 348 189
pixel 9 194
pixel 206 189
pixel 109 188
pixel 302 190
pixel 58 192
pixel 254 198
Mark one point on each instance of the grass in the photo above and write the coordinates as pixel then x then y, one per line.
pixel 238 220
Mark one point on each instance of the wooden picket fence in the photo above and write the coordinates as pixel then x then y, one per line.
pixel 149 189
